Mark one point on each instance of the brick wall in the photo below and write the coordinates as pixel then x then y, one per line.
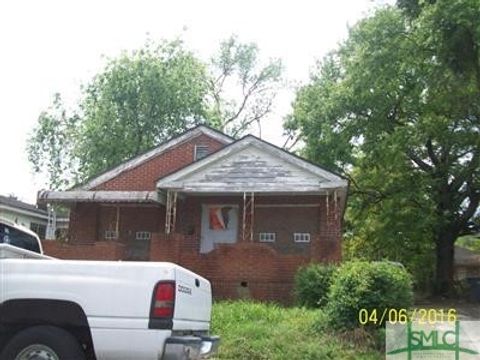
pixel 257 270
pixel 242 270
pixel 283 221
pixel 84 218
pixel 132 218
pixel 263 271
pixel 105 250
pixel 83 223
pixel 145 176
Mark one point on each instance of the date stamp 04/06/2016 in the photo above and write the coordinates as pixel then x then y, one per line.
pixel 423 333
pixel 380 317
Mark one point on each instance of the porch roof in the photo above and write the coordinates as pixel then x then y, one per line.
pixel 72 196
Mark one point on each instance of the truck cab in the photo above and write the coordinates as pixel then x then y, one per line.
pixel 19 236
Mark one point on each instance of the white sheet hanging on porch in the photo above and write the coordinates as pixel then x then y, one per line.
pixel 219 226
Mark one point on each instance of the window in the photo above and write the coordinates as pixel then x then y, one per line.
pixel 301 237
pixel 201 151
pixel 15 237
pixel 111 235
pixel 39 229
pixel 266 237
pixel 143 235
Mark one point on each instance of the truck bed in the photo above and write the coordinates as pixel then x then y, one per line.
pixel 12 252
pixel 108 291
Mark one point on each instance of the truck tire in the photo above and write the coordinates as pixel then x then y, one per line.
pixel 43 343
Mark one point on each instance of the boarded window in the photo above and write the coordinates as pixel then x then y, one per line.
pixel 266 237
pixel 301 237
pixel 111 235
pixel 201 151
pixel 143 235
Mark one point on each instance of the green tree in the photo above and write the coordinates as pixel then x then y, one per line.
pixel 137 101
pixel 242 89
pixel 145 97
pixel 397 108
pixel 51 145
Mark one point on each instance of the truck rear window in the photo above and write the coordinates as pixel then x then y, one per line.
pixel 15 237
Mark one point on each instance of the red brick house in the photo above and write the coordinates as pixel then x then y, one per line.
pixel 243 213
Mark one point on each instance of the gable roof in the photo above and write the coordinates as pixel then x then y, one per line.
pixel 17 204
pixel 251 164
pixel 140 159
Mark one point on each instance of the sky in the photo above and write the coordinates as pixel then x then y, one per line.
pixel 56 46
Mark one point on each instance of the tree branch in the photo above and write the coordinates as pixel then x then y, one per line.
pixel 295 139
pixel 244 103
pixel 256 117
pixel 431 153
pixel 465 175
pixel 470 210
pixel 420 163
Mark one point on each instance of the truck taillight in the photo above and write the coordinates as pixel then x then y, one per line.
pixel 163 303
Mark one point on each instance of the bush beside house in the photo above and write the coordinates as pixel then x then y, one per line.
pixel 344 291
pixel 312 283
pixel 367 285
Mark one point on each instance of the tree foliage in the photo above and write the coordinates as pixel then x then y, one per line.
pixel 397 109
pixel 312 283
pixel 139 100
pixel 241 89
pixel 51 146
pixel 372 286
pixel 146 96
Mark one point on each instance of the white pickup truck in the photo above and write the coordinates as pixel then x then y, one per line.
pixel 53 309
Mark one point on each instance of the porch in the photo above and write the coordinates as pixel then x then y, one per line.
pixel 288 224
pixel 250 264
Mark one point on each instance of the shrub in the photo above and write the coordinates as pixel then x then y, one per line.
pixel 312 283
pixel 367 285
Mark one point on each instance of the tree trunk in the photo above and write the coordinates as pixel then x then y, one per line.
pixel 445 263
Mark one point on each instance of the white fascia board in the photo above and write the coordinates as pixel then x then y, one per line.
pixel 138 160
pixel 254 187
pixel 98 196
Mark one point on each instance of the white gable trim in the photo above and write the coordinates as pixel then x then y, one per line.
pixel 138 160
pixel 333 180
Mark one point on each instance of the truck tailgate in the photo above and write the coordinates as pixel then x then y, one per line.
pixel 193 297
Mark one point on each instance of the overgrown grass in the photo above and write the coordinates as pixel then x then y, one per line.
pixel 251 330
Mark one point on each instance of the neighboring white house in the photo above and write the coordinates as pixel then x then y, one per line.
pixel 43 222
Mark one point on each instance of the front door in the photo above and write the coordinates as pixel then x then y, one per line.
pixel 219 226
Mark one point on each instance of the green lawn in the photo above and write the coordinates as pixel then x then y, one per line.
pixel 265 331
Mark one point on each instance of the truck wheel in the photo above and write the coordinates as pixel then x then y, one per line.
pixel 43 343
